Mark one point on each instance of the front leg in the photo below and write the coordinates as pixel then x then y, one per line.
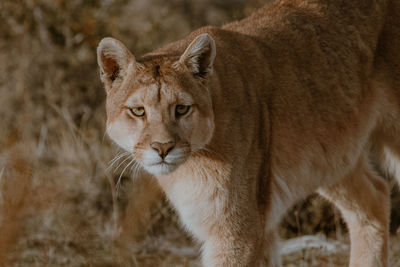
pixel 229 223
pixel 253 249
pixel 236 242
pixel 220 210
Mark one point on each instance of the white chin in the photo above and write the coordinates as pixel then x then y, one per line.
pixel 160 169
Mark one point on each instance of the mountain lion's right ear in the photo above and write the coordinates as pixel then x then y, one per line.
pixel 113 59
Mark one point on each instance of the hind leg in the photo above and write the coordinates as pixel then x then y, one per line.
pixel 363 199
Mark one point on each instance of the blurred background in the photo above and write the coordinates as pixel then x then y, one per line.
pixel 58 171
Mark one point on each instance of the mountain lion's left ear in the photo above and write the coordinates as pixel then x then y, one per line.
pixel 199 55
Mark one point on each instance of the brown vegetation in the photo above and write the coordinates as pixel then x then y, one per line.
pixel 58 201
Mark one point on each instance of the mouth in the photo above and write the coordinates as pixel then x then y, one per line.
pixel 161 168
pixel 154 164
pixel 163 164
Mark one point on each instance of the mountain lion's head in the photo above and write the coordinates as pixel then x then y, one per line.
pixel 158 108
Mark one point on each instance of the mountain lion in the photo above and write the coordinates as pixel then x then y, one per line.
pixel 239 122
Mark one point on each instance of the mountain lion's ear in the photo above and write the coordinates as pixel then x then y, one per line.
pixel 113 59
pixel 199 55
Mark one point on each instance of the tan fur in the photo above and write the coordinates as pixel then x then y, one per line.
pixel 293 99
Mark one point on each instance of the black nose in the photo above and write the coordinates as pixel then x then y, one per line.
pixel 162 148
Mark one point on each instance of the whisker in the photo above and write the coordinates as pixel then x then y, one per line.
pixel 116 159
pixel 134 166
pixel 135 169
pixel 120 164
pixel 118 156
pixel 120 176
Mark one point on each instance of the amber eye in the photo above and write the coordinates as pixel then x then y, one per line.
pixel 181 110
pixel 137 112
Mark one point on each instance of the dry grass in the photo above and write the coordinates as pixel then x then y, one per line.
pixel 14 198
pixel 58 202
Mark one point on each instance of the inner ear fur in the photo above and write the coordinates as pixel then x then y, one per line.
pixel 199 55
pixel 113 59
